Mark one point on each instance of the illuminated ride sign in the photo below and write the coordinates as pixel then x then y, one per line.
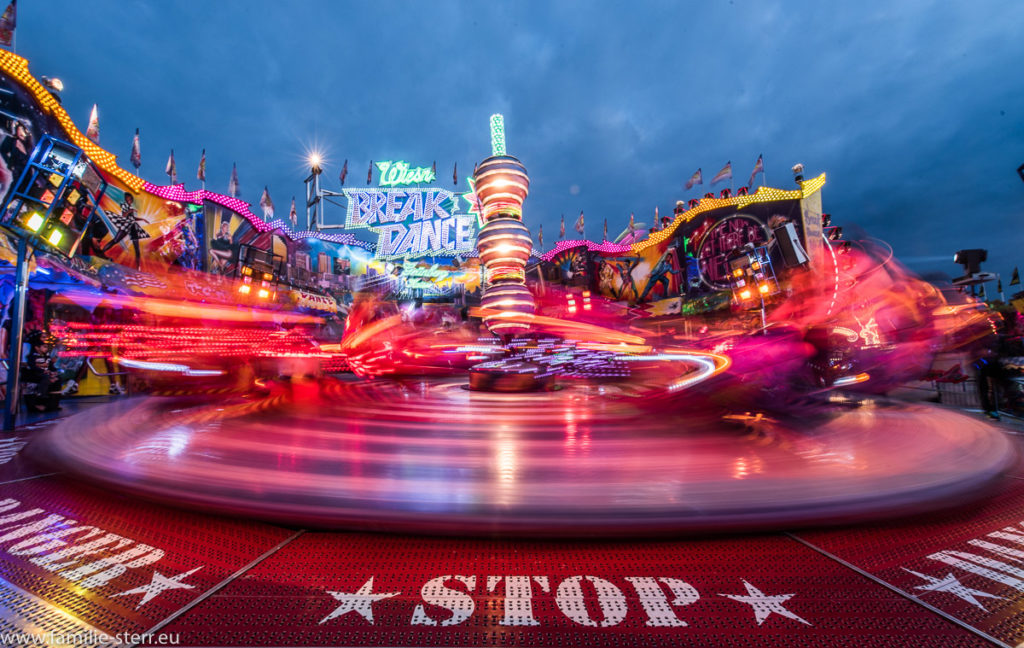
pixel 411 222
pixel 393 174
pixel 435 278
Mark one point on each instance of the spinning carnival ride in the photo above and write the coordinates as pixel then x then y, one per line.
pixel 562 426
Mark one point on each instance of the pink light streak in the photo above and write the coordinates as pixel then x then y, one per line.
pixel 608 247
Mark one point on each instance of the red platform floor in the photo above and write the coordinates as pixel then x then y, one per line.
pixel 80 564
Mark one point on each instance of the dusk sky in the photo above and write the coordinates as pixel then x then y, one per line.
pixel 915 109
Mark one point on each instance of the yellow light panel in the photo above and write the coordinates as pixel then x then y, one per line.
pixel 34 222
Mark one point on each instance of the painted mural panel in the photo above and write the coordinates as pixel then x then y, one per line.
pixel 226 232
pixel 146 232
pixel 657 272
pixel 572 266
pixel 140 231
pixel 327 257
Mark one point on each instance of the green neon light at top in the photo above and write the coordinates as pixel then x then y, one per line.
pixel 393 174
pixel 497 135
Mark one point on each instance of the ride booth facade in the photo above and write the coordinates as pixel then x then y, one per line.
pixel 715 252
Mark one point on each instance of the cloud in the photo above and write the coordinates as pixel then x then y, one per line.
pixel 912 108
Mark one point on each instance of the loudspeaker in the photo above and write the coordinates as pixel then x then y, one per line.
pixel 793 253
pixel 971 260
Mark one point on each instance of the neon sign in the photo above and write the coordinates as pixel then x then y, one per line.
pixel 393 174
pixel 412 222
pixel 434 277
pixel 497 135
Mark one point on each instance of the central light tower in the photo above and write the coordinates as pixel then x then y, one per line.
pixel 504 243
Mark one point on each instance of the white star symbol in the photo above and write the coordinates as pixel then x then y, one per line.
pixel 951 585
pixel 765 605
pixel 362 602
pixel 158 584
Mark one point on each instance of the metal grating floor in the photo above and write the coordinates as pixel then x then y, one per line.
pixel 800 597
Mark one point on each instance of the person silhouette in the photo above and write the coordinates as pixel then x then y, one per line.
pixel 128 226
pixel 667 265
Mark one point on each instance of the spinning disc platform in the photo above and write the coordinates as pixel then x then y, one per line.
pixel 85 561
pixel 434 457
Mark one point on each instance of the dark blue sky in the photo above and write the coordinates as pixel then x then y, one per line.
pixel 914 109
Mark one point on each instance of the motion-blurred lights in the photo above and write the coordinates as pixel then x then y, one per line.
pixel 177 440
pixel 851 380
pixel 167 366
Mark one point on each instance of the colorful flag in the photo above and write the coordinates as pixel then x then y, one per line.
pixel 724 174
pixel 344 173
pixel 1015 279
pixel 201 173
pixel 233 183
pixel 7 24
pixel 695 179
pixel 293 216
pixel 455 174
pixel 758 168
pixel 580 226
pixel 136 157
pixel 605 235
pixel 561 229
pixel 540 236
pixel 369 174
pixel 629 234
pixel 172 169
pixel 267 204
pixel 93 131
